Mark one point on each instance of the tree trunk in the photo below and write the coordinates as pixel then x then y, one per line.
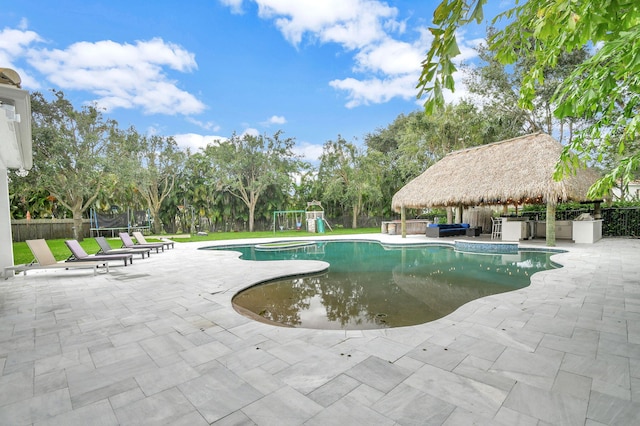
pixel 252 210
pixel 77 223
pixel 357 207
pixel 157 222
pixel 354 220
pixel 551 224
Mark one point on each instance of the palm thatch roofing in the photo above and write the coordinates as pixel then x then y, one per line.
pixel 518 170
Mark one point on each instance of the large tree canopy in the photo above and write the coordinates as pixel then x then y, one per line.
pixel 71 152
pixel 153 164
pixel 349 175
pixel 247 166
pixel 604 88
pixel 498 89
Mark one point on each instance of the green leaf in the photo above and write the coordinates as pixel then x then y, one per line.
pixel 436 31
pixel 449 82
pixel 621 147
pixel 442 11
pixel 451 48
pixel 478 14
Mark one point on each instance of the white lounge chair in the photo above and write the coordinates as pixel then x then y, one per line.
pixel 106 249
pixel 128 243
pixel 44 259
pixel 142 240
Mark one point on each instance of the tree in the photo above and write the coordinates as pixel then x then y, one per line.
pixel 152 164
pixel 25 195
pixel 303 187
pixel 604 88
pixel 349 176
pixel 69 152
pixel 499 89
pixel 247 166
pixel 197 193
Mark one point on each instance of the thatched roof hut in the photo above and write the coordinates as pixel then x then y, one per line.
pixel 518 170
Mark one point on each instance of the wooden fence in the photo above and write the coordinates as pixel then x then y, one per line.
pixel 48 229
pixel 617 222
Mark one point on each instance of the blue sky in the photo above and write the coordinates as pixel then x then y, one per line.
pixel 201 70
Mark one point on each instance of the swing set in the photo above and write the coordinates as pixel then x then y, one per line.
pixel 287 220
pixel 312 219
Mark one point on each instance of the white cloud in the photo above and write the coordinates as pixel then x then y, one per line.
pixel 309 152
pixel 387 63
pixel 467 47
pixel 194 141
pixel 122 75
pixel 353 24
pixel 206 125
pixel 389 67
pixel 390 57
pixel 275 119
pixel 375 90
pixel 234 5
pixel 250 131
pixel 14 45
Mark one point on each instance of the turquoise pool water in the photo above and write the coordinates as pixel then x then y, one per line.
pixel 369 285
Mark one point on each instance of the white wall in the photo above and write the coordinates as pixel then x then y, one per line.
pixel 633 192
pixel 6 241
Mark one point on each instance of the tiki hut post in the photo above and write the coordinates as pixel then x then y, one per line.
pixel 403 221
pixel 551 223
pixel 458 213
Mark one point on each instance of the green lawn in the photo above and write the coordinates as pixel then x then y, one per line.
pixel 22 254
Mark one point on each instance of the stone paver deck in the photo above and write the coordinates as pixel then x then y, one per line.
pixel 159 343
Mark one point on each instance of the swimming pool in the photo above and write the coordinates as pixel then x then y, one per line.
pixel 370 285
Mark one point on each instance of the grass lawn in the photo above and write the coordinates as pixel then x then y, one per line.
pixel 22 254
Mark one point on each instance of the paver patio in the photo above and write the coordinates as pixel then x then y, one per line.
pixel 159 343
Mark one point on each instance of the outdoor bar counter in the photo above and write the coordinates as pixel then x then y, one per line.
pixel 516 228
pixel 414 226
pixel 580 231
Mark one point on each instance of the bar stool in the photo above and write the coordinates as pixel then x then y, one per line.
pixel 496 228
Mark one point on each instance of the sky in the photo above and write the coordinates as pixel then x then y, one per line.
pixel 203 70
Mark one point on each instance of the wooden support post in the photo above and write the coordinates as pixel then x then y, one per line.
pixel 449 214
pixel 403 221
pixel 551 224
pixel 459 213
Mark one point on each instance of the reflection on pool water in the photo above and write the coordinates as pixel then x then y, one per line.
pixel 371 286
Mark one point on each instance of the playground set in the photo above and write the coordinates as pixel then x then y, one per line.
pixel 314 220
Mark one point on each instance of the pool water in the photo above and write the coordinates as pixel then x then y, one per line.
pixel 371 286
